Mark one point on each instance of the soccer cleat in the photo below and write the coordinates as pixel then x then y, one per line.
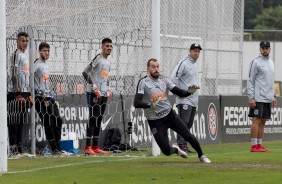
pixel 204 159
pixel 46 151
pixel 89 151
pixel 183 148
pixel 18 155
pixel 181 153
pixel 257 148
pixel 28 155
pixel 97 150
pixel 62 153
pixel 266 150
pixel 188 150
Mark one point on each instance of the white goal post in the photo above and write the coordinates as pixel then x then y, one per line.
pixel 3 98
pixel 156 51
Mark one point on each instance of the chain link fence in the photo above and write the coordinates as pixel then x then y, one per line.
pixel 74 29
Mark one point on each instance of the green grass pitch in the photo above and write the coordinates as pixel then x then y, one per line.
pixel 231 163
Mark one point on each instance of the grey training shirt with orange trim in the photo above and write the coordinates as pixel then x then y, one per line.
pixel 41 77
pixel 99 74
pixel 153 89
pixel 19 69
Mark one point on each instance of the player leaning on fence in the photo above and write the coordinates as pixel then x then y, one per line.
pixel 45 104
pixel 151 95
pixel 18 95
pixel 261 95
pixel 96 75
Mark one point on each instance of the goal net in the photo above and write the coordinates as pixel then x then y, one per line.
pixel 74 29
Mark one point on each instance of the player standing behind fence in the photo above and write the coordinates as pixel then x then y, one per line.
pixel 184 75
pixel 151 95
pixel 96 75
pixel 45 104
pixel 18 93
pixel 261 95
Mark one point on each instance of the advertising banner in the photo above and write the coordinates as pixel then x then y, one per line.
pixel 236 124
pixel 74 112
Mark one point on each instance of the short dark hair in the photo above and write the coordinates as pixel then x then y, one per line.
pixel 43 45
pixel 22 34
pixel 106 40
pixel 149 61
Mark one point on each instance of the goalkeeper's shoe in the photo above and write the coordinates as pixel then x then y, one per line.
pixel 186 149
pixel 97 150
pixel 205 159
pixel 89 151
pixel 181 153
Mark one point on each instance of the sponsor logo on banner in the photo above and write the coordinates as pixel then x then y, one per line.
pixel 236 120
pixel 199 125
pixel 141 132
pixel 212 121
pixel 236 116
pixel 104 124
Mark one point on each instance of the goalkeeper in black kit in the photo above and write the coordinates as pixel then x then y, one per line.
pixel 151 95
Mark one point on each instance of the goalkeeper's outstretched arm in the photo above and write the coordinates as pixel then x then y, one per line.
pixel 138 102
pixel 180 92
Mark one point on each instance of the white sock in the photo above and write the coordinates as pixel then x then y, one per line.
pixel 254 141
pixel 259 141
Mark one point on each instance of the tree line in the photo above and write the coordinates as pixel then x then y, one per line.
pixel 263 20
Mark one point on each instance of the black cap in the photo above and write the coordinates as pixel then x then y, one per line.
pixel 264 44
pixel 195 46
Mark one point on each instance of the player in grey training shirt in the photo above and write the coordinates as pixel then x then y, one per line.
pixel 96 75
pixel 184 75
pixel 18 100
pixel 45 104
pixel 151 95
pixel 261 95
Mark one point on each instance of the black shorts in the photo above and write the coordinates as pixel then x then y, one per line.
pixel 262 110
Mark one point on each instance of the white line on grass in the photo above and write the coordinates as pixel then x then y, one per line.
pixel 73 164
pixel 125 158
